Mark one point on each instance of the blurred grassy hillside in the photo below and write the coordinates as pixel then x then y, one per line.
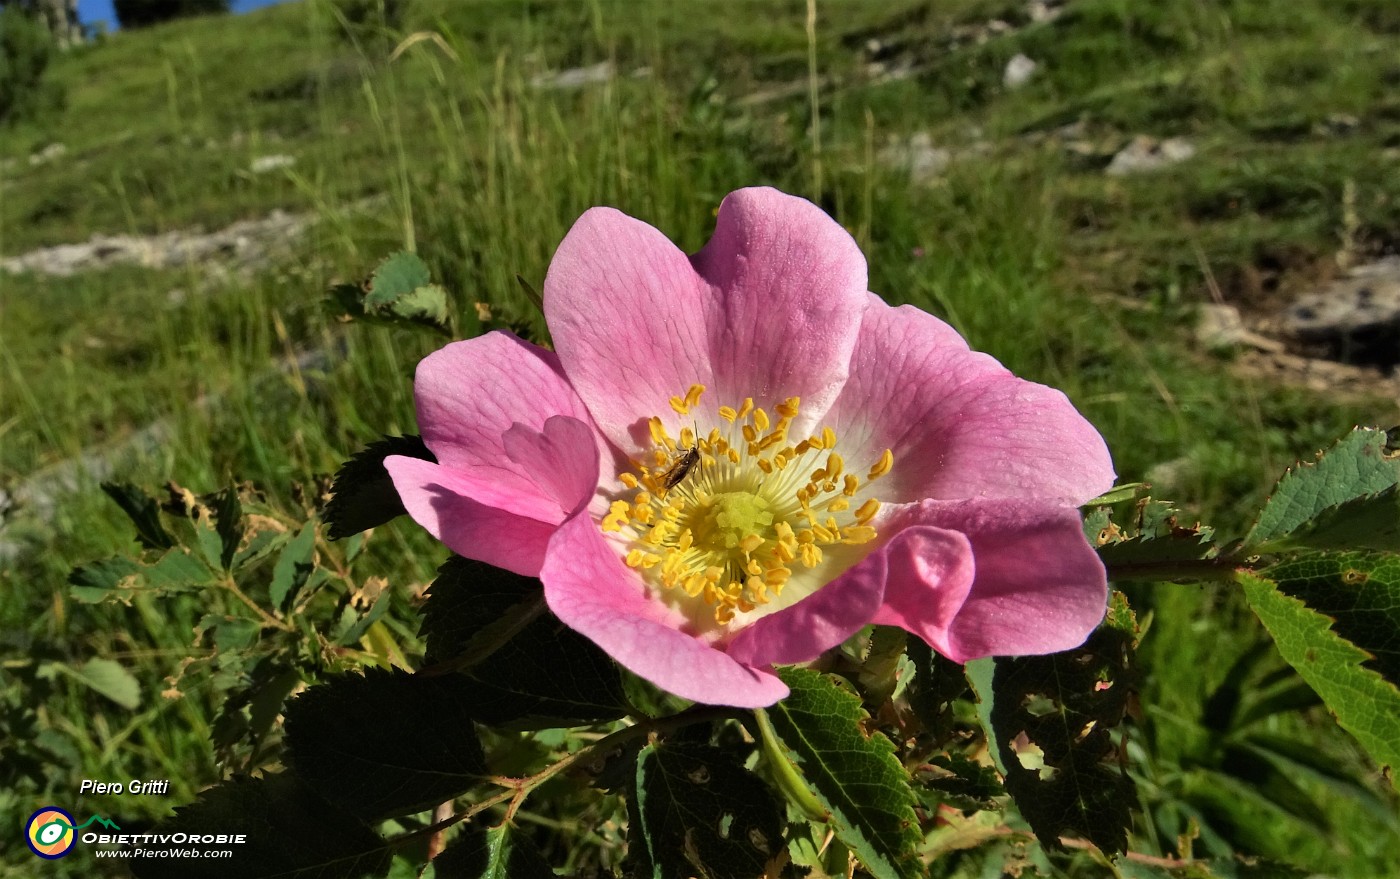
pixel 452 132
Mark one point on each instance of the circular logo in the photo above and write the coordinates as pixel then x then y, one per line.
pixel 50 833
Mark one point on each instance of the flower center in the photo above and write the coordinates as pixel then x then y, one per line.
pixel 742 519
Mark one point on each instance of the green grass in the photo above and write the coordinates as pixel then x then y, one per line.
pixel 1070 278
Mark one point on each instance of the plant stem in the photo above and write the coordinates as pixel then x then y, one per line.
pixel 1178 570
pixel 516 790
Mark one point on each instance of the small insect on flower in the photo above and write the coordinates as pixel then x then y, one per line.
pixel 681 468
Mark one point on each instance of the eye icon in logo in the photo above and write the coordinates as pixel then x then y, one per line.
pixel 50 833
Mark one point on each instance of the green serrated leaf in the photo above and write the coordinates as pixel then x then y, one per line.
pixel 290 833
pixel 119 578
pixel 938 682
pixel 1356 466
pixel 491 853
pixel 701 813
pixel 293 566
pixel 363 496
pixel 427 304
pixel 961 782
pixel 228 523
pixel 852 772
pixel 104 676
pixel 1051 721
pixel 144 513
pixel 398 275
pixel 384 744
pixel 1364 702
pixel 1360 592
pixel 1368 522
pixel 526 670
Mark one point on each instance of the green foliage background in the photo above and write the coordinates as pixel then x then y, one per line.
pixel 446 147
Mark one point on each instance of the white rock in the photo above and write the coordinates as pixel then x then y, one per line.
pixel 1019 71
pixel 916 155
pixel 263 164
pixel 1146 153
pixel 575 77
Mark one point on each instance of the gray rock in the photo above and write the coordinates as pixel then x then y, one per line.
pixel 263 164
pixel 917 155
pixel 245 243
pixel 1220 327
pixel 1019 71
pixel 1145 153
pixel 1356 318
pixel 575 77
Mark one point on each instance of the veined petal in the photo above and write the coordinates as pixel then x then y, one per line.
pixel 791 288
pixel 562 459
pixel 772 303
pixel 468 394
pixel 1038 587
pixel 959 424
pixel 440 499
pixel 930 574
pixel 592 592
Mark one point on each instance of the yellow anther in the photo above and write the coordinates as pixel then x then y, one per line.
pixel 658 431
pixel 746 408
pixel 882 466
pixel 828 438
pixel 753 568
pixel 838 505
pixel 811 555
pixel 814 442
pixel 803 447
pixel 867 511
pixel 789 407
pixel 751 543
pixel 728 413
pixel 834 465
pixel 679 406
pixel 852 485
pixel 733 455
pixel 760 420
pixel 765 465
pixel 634 558
pixel 806 536
pixel 750 434
pixel 685 541
pixel 629 480
pixel 857 534
pixel 692 396
pixel 823 534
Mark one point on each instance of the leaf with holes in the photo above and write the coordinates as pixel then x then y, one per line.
pixel 1050 722
pixel 698 812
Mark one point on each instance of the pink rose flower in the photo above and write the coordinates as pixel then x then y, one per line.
pixel 740 458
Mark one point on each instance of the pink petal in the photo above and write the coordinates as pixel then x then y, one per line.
pixel 589 588
pixel 770 309
pixel 792 287
pixel 930 575
pixel 438 498
pixel 469 394
pixel 818 622
pixel 1038 586
pixel 562 460
pixel 959 424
